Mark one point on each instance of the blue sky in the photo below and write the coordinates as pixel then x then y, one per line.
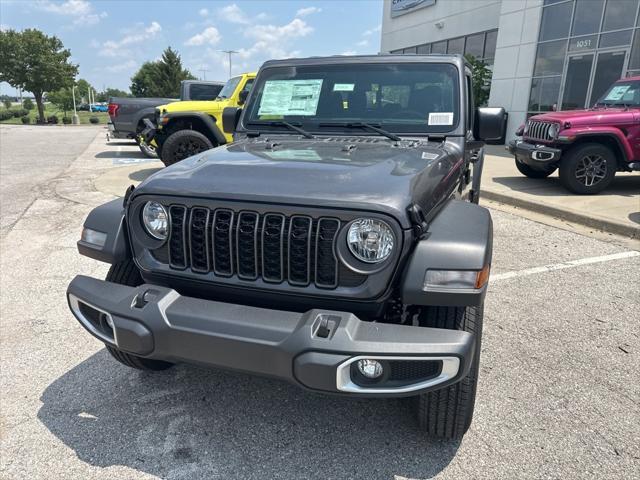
pixel 110 39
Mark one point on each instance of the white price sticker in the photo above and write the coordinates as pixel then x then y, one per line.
pixel 440 118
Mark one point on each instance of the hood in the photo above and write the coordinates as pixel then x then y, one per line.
pixel 361 173
pixel 194 105
pixel 591 116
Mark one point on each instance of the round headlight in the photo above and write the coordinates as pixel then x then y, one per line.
pixel 370 240
pixel 554 129
pixel 155 220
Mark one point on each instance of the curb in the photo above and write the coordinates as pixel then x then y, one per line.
pixel 603 224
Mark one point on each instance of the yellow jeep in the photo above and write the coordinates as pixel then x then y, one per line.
pixel 183 129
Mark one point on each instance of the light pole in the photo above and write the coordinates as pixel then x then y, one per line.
pixel 75 119
pixel 229 52
pixel 204 73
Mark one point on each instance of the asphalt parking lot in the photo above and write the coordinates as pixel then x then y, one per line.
pixel 559 392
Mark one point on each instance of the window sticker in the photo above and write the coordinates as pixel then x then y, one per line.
pixel 617 92
pixel 344 87
pixel 302 155
pixel 290 97
pixel 440 118
pixel 429 156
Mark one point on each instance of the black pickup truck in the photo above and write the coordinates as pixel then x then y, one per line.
pixel 127 114
pixel 337 243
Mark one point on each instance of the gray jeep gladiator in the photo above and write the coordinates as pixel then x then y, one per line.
pixel 336 244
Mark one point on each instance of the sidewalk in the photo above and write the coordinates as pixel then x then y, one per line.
pixel 616 210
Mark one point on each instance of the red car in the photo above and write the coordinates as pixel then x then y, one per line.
pixel 587 146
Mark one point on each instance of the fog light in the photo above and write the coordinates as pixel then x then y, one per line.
pixel 370 368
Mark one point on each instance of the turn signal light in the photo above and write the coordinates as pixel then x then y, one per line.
pixel 447 279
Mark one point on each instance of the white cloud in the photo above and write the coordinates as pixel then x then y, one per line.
pixel 371 31
pixel 363 43
pixel 272 33
pixel 303 12
pixel 122 67
pixel 209 36
pixel 203 12
pixel 114 48
pixel 234 14
pixel 80 10
pixel 349 52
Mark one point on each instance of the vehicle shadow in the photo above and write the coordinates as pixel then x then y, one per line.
pixel 635 217
pixel 121 143
pixel 140 175
pixel 122 154
pixel 622 185
pixel 190 422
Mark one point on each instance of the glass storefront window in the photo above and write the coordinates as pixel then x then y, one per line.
pixel 587 16
pixel 439 47
pixel 634 60
pixel 608 70
pixel 615 38
pixel 576 82
pixel 475 45
pixel 410 50
pixel 619 14
pixel 490 44
pixel 455 45
pixel 549 91
pixel 555 21
pixel 583 43
pixel 424 49
pixel 550 58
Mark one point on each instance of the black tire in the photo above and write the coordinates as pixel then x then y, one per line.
pixel 530 172
pixel 588 169
pixel 183 144
pixel 447 413
pixel 126 273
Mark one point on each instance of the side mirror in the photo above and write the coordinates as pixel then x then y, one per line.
pixel 230 118
pixel 490 124
pixel 242 97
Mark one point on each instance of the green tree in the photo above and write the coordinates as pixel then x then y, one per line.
pixel 27 104
pixel 7 103
pixel 481 76
pixel 82 90
pixel 161 78
pixel 63 99
pixel 35 62
pixel 110 92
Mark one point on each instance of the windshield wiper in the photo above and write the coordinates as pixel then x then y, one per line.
pixel 282 123
pixel 375 128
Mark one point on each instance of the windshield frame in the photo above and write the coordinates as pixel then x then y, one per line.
pixel 619 103
pixel 269 72
pixel 235 81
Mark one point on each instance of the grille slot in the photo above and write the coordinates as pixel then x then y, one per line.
pixel 177 242
pixel 247 245
pixel 198 221
pixel 538 130
pixel 326 260
pixel 273 247
pixel 223 242
pixel 298 249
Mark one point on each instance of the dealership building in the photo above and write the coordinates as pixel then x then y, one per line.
pixel 544 54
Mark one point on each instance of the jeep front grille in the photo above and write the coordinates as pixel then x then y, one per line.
pixel 538 130
pixel 273 247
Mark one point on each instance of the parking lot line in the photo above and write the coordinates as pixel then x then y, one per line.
pixel 563 265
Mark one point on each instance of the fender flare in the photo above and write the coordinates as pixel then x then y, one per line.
pixel 208 121
pixel 108 219
pixel 460 237
pixel 614 135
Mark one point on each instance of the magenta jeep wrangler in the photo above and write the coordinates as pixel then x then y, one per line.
pixel 588 146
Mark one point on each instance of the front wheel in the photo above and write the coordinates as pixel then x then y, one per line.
pixel 588 169
pixel 126 273
pixel 447 413
pixel 530 172
pixel 183 144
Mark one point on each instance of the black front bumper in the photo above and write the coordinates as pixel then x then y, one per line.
pixel 540 157
pixel 314 349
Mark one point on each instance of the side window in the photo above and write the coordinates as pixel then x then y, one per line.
pixel 248 85
pixel 470 109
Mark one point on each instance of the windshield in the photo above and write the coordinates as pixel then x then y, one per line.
pixel 229 87
pixel 622 93
pixel 419 98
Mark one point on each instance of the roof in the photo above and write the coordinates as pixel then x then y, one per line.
pixel 381 58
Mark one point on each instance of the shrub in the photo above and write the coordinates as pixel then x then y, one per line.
pixel 26 120
pixel 6 115
pixel 21 112
pixel 7 103
pixel 52 119
pixel 27 104
pixel 66 120
pixel 94 120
